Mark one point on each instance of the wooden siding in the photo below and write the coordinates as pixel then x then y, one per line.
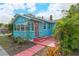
pixel 31 33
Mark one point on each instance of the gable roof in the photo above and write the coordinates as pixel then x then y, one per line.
pixel 31 17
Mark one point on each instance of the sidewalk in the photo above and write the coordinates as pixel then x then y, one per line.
pixel 3 52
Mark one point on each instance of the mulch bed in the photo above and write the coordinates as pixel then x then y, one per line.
pixel 42 52
pixel 75 53
pixel 14 48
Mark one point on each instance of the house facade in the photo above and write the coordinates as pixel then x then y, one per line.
pixel 30 27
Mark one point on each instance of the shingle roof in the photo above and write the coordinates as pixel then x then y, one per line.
pixel 32 17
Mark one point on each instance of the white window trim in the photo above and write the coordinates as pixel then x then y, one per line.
pixel 16 26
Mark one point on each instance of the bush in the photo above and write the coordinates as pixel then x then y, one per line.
pixel 19 40
pixel 53 51
pixel 66 32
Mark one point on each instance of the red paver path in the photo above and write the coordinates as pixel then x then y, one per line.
pixel 48 41
pixel 30 51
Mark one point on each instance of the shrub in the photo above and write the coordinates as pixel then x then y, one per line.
pixel 19 40
pixel 53 51
pixel 66 31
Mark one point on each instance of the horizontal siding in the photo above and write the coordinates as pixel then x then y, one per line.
pixel 22 34
pixel 20 20
pixel 31 34
pixel 44 32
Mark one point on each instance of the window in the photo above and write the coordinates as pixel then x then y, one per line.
pixel 49 25
pixel 32 26
pixel 22 27
pixel 26 28
pixel 44 25
pixel 17 27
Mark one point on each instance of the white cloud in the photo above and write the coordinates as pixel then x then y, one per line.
pixel 5 18
pixel 7 10
pixel 45 14
pixel 18 5
pixel 31 7
pixel 55 10
pixel 32 10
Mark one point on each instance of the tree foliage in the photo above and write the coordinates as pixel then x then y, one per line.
pixel 67 30
pixel 1 24
pixel 10 27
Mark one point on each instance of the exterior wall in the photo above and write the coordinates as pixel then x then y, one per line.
pixel 30 34
pixel 52 27
pixel 44 32
pixel 23 34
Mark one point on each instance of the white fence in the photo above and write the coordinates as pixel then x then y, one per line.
pixel 5 34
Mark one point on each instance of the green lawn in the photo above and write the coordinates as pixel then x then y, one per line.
pixel 4 42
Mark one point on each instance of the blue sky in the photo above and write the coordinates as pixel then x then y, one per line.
pixel 8 10
pixel 39 7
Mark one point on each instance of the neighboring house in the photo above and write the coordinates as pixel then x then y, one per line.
pixel 30 27
pixel 3 29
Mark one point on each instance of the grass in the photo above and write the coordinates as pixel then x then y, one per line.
pixel 12 47
pixel 4 42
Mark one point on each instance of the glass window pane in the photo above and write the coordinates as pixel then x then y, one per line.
pixel 44 25
pixel 32 26
pixel 48 25
pixel 22 27
pixel 18 27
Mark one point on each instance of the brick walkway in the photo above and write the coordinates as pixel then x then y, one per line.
pixel 47 41
pixel 30 51
pixel 43 42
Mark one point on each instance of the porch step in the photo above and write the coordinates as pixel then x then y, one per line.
pixel 39 40
pixel 42 39
pixel 45 41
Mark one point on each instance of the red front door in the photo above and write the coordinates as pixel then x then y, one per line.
pixel 36 25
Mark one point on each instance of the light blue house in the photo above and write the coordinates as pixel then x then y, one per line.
pixel 30 27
